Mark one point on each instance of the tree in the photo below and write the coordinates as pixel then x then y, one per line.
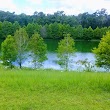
pixel 54 30
pixel 21 39
pixel 15 26
pixel 30 29
pixel 7 29
pixel 43 32
pixel 88 33
pixel 79 30
pixel 97 33
pixel 1 34
pixel 9 52
pixel 66 47
pixel 38 49
pixel 103 52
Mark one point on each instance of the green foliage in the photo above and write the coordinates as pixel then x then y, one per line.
pixel 57 30
pixel 66 48
pixel 9 51
pixel 1 34
pixel 97 33
pixel 104 30
pixel 43 31
pixel 21 39
pixel 88 33
pixel 31 28
pixel 103 52
pixel 53 30
pixel 99 18
pixel 80 32
pixel 15 26
pixel 7 29
pixel 38 50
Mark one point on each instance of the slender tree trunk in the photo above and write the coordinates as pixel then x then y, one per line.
pixel 66 63
pixel 67 55
pixel 20 65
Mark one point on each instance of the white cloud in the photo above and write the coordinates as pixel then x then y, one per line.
pixel 80 6
pixel 7 5
pixel 35 2
pixel 50 6
pixel 27 10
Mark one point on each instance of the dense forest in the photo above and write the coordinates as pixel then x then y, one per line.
pixel 83 26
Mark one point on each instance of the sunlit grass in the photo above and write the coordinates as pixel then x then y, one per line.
pixel 53 90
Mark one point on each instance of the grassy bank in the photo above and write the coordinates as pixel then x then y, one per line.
pixel 53 90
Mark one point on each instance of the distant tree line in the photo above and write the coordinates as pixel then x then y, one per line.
pixel 53 31
pixel 100 18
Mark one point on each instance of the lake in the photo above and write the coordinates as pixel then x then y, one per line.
pixel 83 52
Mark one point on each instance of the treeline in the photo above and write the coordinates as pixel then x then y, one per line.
pixel 53 30
pixel 100 18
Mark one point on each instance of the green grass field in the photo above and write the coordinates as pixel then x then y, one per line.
pixel 53 90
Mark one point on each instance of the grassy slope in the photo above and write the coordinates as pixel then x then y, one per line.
pixel 53 90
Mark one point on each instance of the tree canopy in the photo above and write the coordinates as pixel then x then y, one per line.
pixel 103 52
pixel 9 51
pixel 21 39
pixel 66 48
pixel 99 18
pixel 38 50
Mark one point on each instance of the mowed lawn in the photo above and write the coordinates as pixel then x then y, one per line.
pixel 53 90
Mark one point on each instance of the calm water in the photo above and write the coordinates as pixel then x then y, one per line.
pixel 81 46
pixel 83 52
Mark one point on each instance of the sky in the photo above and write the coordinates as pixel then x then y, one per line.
pixel 70 7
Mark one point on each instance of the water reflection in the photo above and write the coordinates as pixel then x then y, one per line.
pixel 83 52
pixel 52 58
pixel 78 56
pixel 81 46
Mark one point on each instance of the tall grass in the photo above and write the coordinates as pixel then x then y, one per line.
pixel 54 90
